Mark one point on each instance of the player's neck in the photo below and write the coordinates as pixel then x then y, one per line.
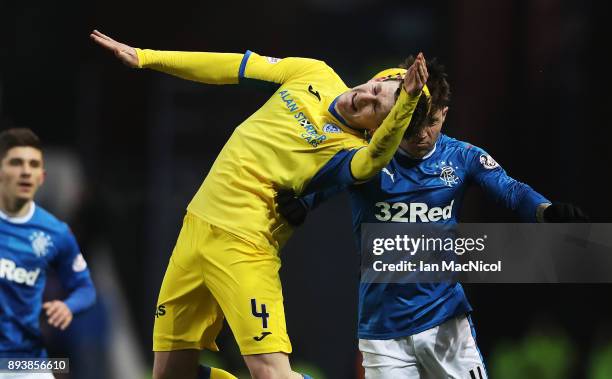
pixel 14 207
pixel 414 155
pixel 409 150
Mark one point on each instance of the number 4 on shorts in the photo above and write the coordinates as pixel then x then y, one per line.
pixel 263 314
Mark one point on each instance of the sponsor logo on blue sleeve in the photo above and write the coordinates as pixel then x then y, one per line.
pixel 488 162
pixel 79 264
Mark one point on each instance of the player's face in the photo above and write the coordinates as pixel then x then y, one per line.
pixel 367 105
pixel 21 173
pixel 422 142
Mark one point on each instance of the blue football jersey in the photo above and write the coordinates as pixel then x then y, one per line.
pixel 430 189
pixel 29 246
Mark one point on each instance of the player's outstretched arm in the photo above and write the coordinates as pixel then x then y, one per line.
pixel 210 68
pixel 126 54
pixel 515 195
pixel 371 159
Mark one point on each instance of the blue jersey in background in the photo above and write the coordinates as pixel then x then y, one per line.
pixel 29 246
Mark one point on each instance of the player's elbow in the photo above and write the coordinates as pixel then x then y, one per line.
pixel 92 296
pixel 86 296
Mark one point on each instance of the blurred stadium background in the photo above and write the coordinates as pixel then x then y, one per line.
pixel 126 151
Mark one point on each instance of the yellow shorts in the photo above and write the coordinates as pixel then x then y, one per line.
pixel 211 274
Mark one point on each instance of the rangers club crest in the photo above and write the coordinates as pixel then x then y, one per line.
pixel 447 175
pixel 41 242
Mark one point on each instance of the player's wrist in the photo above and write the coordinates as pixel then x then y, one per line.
pixel 140 57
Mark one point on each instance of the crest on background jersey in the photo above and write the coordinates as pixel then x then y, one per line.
pixel 447 174
pixel 488 162
pixel 331 128
pixel 41 242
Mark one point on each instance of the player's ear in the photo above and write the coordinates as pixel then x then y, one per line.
pixel 443 113
pixel 43 177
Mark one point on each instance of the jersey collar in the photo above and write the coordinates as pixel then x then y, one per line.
pixel 19 220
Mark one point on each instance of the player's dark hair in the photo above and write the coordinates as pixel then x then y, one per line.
pixel 18 137
pixel 440 95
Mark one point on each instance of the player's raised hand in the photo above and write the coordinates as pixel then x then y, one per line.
pixel 58 313
pixel 564 212
pixel 126 54
pixel 416 76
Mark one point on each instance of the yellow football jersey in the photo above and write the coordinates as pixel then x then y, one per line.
pixel 282 145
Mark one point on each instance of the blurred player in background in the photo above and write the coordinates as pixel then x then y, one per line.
pixel 226 262
pixel 423 330
pixel 31 242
